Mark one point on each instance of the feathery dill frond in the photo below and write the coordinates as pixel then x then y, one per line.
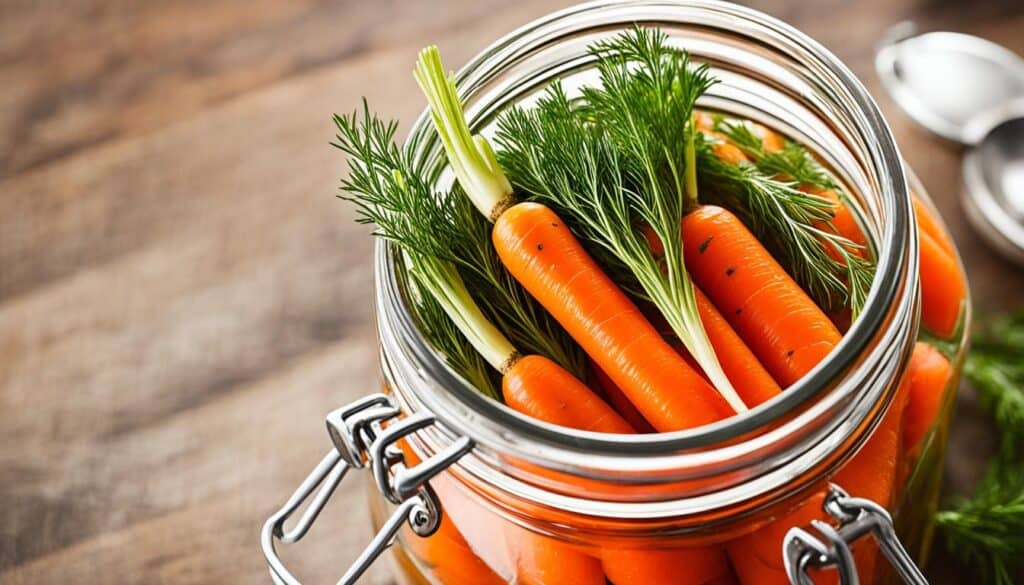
pixel 608 165
pixel 390 191
pixel 449 255
pixel 788 221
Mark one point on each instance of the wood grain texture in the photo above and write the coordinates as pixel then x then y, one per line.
pixel 181 296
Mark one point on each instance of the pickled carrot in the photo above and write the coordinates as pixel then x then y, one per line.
pixel 928 374
pixel 784 328
pixel 871 474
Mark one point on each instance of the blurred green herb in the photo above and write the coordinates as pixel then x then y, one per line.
pixel 995 367
pixel 986 531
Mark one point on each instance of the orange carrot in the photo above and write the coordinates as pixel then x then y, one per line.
pixel 618 400
pixel 843 221
pixel 446 553
pixel 757 557
pixel 545 561
pixel 482 528
pixel 931 225
pixel 543 255
pixel 928 374
pixel 787 332
pixel 704 122
pixel 771 141
pixel 539 387
pixel 721 146
pixel 871 474
pixel 753 383
pixel 943 288
pixel 683 566
pixel 516 554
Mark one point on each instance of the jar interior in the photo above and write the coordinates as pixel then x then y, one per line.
pixel 770 75
pixel 671 489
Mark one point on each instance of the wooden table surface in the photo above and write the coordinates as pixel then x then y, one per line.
pixel 182 297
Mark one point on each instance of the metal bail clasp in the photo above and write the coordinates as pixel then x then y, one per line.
pixel 360 438
pixel 857 517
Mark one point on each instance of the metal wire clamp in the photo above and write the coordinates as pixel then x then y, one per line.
pixel 856 517
pixel 361 438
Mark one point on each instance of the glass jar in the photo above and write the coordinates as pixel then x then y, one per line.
pixel 525 501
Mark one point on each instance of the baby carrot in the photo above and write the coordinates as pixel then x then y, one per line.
pixel 543 561
pixel 723 149
pixel 757 557
pixel 618 400
pixel 751 380
pixel 929 224
pixel 843 222
pixel 446 553
pixel 943 288
pixel 684 566
pixel 928 374
pixel 543 255
pixel 771 141
pixel 539 387
pixel 540 560
pixel 784 328
pixel 871 474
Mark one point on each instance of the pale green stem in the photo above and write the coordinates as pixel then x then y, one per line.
pixel 688 326
pixel 442 280
pixel 680 310
pixel 471 158
pixel 691 168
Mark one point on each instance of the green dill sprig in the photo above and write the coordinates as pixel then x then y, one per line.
pixel 789 221
pixel 793 161
pixel 389 190
pixel 995 367
pixel 608 164
pixel 986 531
pixel 643 106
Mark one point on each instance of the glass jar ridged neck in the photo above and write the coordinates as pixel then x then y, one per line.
pixel 773 74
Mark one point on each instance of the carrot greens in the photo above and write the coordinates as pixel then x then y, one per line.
pixel 391 190
pixel 611 162
pixel 471 157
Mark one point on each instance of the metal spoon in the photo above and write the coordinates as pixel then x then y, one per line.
pixel 971 91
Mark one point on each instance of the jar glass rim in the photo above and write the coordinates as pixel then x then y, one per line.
pixel 462 405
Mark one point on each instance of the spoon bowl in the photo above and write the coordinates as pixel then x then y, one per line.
pixel 993 193
pixel 971 91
